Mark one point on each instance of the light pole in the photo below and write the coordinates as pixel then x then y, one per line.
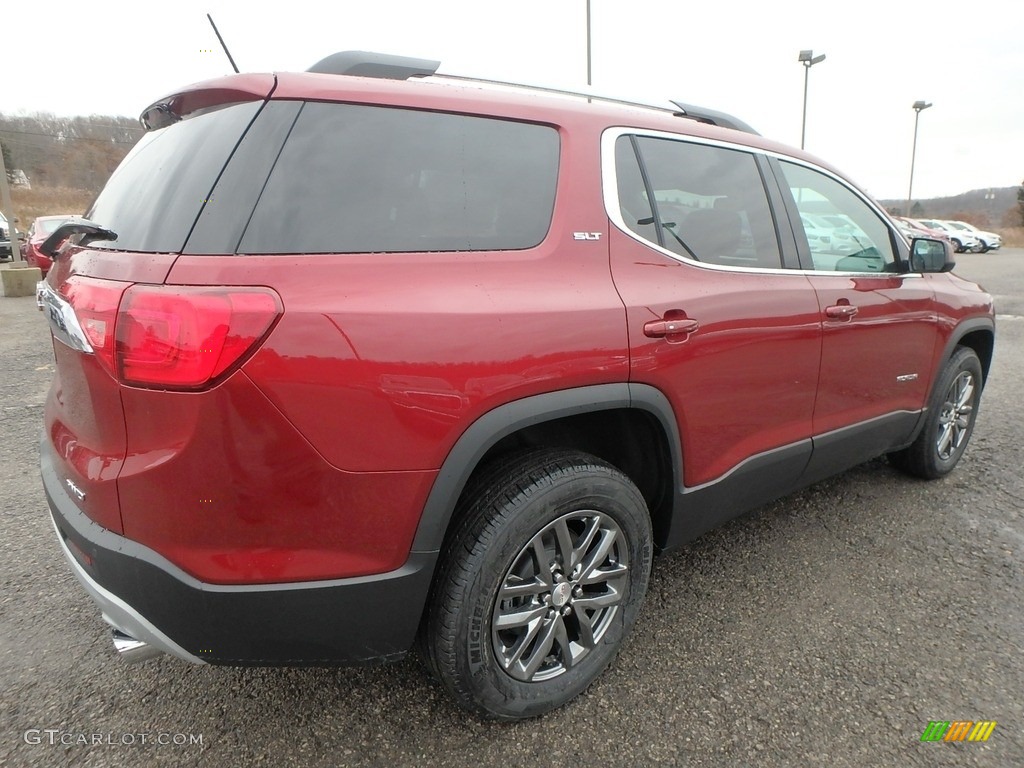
pixel 919 106
pixel 808 59
pixel 588 44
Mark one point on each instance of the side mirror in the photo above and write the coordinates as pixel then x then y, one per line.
pixel 930 255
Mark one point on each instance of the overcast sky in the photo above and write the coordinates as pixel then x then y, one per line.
pixel 966 57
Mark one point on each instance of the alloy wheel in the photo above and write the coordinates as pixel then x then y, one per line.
pixel 559 596
pixel 955 417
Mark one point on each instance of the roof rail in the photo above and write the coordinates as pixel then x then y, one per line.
pixel 388 66
pixel 713 117
pixel 557 91
pixel 369 64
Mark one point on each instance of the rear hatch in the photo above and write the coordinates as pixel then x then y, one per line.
pixel 105 302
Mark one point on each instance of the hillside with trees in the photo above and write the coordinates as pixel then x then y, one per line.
pixel 70 152
pixel 991 207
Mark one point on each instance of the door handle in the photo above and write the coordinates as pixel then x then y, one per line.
pixel 840 311
pixel 656 329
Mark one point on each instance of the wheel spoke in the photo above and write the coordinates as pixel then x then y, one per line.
pixel 540 557
pixel 523 589
pixel 594 602
pixel 592 529
pixel 945 438
pixel 522 643
pixel 601 575
pixel 965 392
pixel 519 616
pixel 564 541
pixel 562 638
pixel 599 553
pixel 584 628
pixel 542 648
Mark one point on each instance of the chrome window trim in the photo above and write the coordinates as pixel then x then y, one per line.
pixel 609 187
pixel 62 318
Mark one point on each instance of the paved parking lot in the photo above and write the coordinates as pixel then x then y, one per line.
pixel 828 628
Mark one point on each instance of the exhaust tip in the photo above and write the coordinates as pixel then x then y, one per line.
pixel 132 650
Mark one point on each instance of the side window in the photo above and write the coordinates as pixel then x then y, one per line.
pixel 709 203
pixel 368 179
pixel 633 203
pixel 843 233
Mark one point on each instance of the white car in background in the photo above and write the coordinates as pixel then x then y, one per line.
pixel 962 240
pixel 990 241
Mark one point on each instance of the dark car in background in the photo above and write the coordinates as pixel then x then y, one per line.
pixel 6 232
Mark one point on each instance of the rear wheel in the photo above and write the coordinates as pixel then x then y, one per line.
pixel 952 411
pixel 539 583
pixel 957 246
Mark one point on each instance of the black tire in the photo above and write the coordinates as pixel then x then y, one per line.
pixel 952 411
pixel 545 505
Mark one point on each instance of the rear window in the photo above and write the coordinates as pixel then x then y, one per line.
pixel 365 179
pixel 153 198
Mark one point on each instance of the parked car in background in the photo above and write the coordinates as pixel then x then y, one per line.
pixel 819 234
pixel 6 231
pixel 847 237
pixel 961 239
pixel 990 241
pixel 41 229
pixel 912 228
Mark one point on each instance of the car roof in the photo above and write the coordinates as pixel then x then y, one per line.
pixel 514 101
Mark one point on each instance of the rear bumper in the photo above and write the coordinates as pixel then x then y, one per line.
pixel 141 593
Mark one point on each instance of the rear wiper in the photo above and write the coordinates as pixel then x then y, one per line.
pixel 89 230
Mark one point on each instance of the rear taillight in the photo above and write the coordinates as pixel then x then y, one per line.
pixel 170 336
pixel 95 302
pixel 184 337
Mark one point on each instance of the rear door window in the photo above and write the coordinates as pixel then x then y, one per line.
pixel 365 179
pixel 702 202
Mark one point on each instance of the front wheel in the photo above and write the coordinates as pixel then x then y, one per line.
pixel 539 583
pixel 952 411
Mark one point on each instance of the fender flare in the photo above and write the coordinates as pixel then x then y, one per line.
pixel 969 325
pixel 511 417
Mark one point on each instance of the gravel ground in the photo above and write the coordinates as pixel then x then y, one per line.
pixel 825 629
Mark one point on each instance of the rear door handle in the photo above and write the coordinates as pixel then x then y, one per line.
pixel 657 329
pixel 840 311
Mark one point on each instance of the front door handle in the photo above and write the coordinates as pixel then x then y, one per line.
pixel 657 329
pixel 840 311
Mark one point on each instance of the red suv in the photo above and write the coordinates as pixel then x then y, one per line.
pixel 347 360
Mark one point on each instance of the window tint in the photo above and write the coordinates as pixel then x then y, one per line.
pixel 360 179
pixel 710 203
pixel 843 233
pixel 153 198
pixel 633 203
